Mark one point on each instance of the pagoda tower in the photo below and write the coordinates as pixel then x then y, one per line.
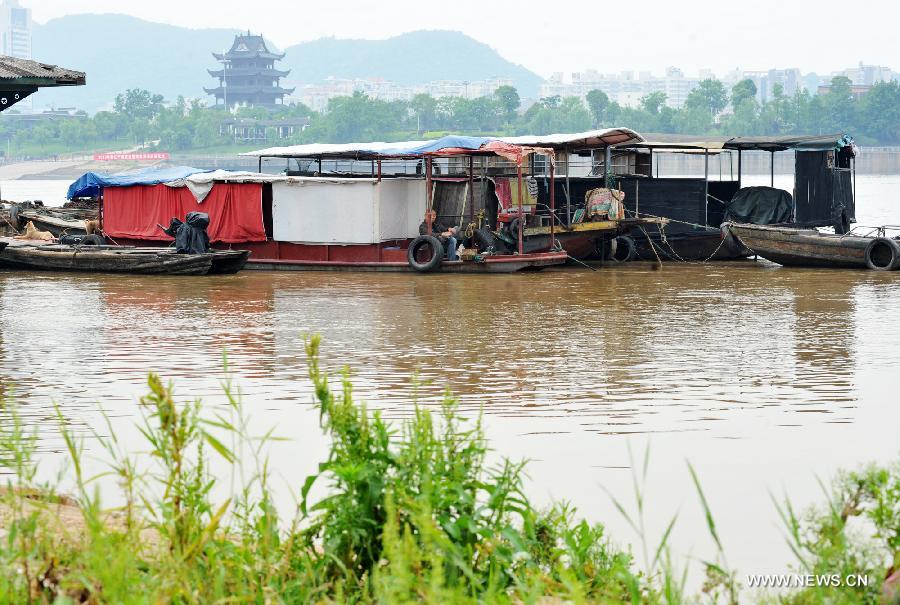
pixel 248 76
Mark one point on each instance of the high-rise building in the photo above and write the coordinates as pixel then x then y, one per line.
pixel 15 29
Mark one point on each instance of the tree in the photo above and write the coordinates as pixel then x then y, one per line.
pixel 709 96
pixel 745 89
pixel 598 104
pixel 423 105
pixel 839 105
pixel 653 102
pixel 508 98
pixel 138 103
pixel 879 113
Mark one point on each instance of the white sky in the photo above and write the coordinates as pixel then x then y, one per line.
pixel 548 36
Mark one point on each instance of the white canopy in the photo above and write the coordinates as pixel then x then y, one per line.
pixel 573 141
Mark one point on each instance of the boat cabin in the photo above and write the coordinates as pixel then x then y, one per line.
pixel 822 194
pixel 475 183
pixel 313 222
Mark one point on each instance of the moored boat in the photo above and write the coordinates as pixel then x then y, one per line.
pixel 823 192
pixel 798 247
pixel 18 254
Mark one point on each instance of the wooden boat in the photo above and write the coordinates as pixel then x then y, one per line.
pixel 794 247
pixel 57 221
pixel 119 259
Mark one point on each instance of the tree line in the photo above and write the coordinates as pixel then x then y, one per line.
pixel 141 118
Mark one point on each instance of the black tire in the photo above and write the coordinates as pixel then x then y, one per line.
pixel 513 227
pixel 622 249
pixel 435 258
pixel 883 254
pixel 92 240
pixel 485 239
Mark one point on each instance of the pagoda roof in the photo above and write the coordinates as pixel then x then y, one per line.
pixel 247 46
pixel 250 90
pixel 249 71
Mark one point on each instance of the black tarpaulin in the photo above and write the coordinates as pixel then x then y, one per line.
pixel 190 235
pixel 760 206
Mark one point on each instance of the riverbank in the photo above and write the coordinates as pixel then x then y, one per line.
pixel 871 161
pixel 408 515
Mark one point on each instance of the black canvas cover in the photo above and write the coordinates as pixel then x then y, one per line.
pixel 190 235
pixel 760 206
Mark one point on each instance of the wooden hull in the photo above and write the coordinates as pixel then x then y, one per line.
pixel 802 247
pixel 508 263
pixel 703 246
pixel 111 259
pixel 56 226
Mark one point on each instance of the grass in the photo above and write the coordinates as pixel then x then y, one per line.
pixel 413 513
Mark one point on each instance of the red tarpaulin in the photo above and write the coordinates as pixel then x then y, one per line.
pixel 234 209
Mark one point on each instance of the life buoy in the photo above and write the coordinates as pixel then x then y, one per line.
pixel 436 255
pixel 622 249
pixel 883 254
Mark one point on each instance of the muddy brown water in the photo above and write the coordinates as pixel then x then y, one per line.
pixel 764 378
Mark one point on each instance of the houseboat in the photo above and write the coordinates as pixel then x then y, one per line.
pixel 327 221
pixel 823 193
pixel 496 199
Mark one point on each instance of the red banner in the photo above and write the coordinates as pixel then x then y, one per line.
pixel 110 157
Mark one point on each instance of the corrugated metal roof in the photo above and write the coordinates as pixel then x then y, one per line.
pixel 12 68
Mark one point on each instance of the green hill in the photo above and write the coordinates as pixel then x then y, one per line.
pixel 119 52
pixel 411 58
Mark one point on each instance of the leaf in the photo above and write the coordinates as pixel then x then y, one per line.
pixel 218 446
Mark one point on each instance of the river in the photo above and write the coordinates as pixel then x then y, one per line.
pixel 764 378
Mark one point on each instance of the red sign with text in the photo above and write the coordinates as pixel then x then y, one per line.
pixel 111 157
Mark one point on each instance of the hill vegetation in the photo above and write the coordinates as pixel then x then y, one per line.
pixel 119 52
pixel 142 118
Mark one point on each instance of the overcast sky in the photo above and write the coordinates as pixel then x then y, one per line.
pixel 549 36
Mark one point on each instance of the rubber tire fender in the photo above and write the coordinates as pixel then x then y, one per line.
pixel 92 240
pixel 623 250
pixel 513 227
pixel 437 253
pixel 892 246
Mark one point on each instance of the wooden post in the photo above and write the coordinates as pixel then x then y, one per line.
pixel 552 202
pixel 772 168
pixel 521 214
pixel 429 211
pixel 471 189
pixel 379 171
pixel 706 186
pixel 568 191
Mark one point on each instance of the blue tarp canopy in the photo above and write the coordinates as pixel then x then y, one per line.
pixel 90 183
pixel 448 142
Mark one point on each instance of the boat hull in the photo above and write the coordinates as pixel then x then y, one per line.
pixel 489 264
pixel 113 259
pixel 692 247
pixel 795 247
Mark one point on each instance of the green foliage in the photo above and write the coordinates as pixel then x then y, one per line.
pixel 598 103
pixel 143 118
pixel 411 514
pixel 857 532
